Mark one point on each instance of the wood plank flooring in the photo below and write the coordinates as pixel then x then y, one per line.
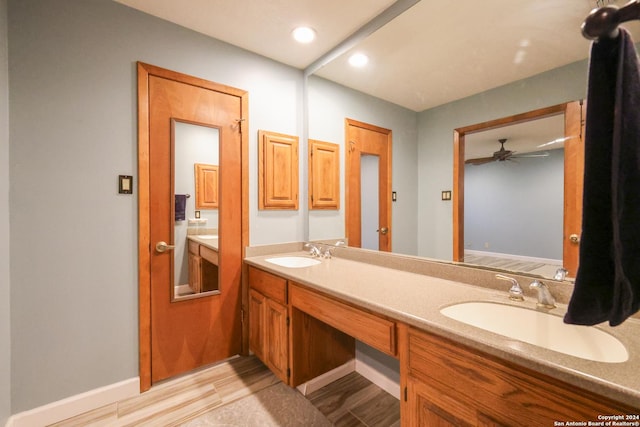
pixel 243 392
pixel 353 400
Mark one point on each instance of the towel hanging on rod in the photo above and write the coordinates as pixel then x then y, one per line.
pixel 603 22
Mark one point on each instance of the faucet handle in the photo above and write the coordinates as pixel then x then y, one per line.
pixel 561 273
pixel 313 249
pixel 515 292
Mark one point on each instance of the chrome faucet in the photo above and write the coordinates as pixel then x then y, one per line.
pixel 515 292
pixel 545 299
pixel 314 251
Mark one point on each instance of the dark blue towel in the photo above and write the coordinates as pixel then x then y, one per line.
pixel 607 285
pixel 180 206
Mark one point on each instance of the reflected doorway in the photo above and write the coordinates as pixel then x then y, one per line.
pixel 368 186
pixel 573 119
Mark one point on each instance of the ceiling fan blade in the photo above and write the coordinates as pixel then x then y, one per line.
pixel 479 161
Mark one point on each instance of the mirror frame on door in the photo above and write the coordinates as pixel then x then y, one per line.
pixel 144 71
pixel 573 173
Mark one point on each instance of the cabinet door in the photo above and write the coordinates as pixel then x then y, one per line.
pixel 194 273
pixel 324 175
pixel 277 171
pixel 431 406
pixel 257 311
pixel 276 342
pixel 427 407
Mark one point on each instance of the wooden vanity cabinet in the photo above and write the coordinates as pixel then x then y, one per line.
pixel 446 384
pixel 269 321
pixel 203 268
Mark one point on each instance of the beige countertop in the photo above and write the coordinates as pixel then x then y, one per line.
pixel 211 243
pixel 416 299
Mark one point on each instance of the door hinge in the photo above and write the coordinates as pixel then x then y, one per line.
pixel 242 315
pixel 288 372
pixel 405 393
pixel 288 320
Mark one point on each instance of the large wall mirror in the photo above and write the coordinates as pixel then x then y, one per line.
pixel 503 61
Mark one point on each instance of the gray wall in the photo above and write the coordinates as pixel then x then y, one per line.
pixel 435 142
pixel 5 337
pixel 73 130
pixel 516 207
pixel 329 105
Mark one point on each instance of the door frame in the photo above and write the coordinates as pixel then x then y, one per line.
pixel 573 174
pixel 348 178
pixel 144 240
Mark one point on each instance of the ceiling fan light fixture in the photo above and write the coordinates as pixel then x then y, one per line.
pixel 304 35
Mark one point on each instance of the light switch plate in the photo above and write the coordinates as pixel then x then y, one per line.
pixel 125 184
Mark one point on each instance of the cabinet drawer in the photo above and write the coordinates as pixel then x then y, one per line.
pixel 500 389
pixel 209 255
pixel 269 285
pixel 374 330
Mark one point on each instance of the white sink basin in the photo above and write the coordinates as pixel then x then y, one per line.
pixel 541 329
pixel 293 261
pixel 207 236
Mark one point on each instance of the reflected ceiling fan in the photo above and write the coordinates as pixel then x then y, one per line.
pixel 501 155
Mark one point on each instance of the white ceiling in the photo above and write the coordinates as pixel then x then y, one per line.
pixel 434 53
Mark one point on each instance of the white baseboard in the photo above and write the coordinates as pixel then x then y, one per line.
pixel 515 257
pixel 378 378
pixel 327 378
pixel 76 405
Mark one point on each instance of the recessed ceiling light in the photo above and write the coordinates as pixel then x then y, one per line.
pixel 358 60
pixel 304 34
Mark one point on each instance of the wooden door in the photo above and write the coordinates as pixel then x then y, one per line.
pixel 365 139
pixel 181 335
pixel 573 185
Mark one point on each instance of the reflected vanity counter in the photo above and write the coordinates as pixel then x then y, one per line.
pixel 396 287
pixel 207 240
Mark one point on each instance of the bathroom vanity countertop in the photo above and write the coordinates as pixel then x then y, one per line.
pixel 417 299
pixel 209 243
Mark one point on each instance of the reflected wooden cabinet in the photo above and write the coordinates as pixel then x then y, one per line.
pixel 324 175
pixel 277 171
pixel 269 321
pixel 447 384
pixel 206 178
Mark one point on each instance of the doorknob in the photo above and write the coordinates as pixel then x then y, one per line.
pixel 163 247
pixel 574 238
pixel 383 230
